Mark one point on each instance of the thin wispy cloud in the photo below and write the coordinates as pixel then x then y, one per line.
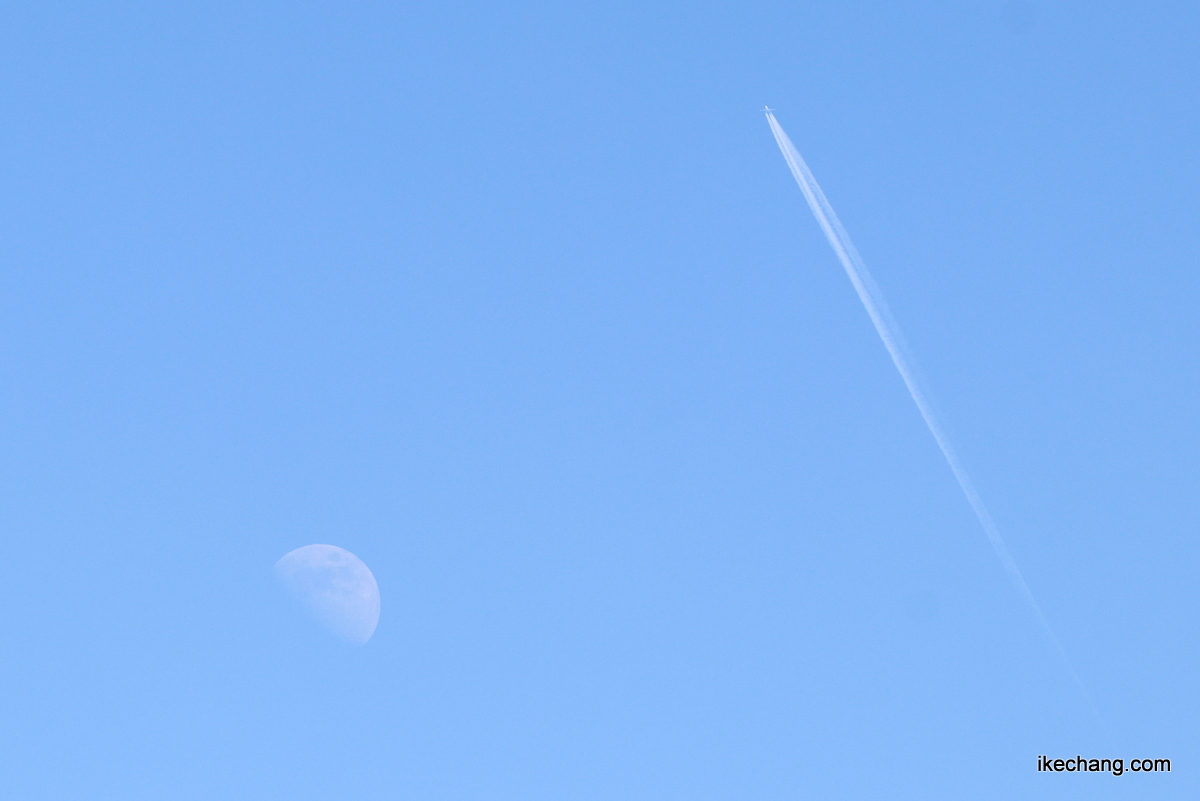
pixel 889 332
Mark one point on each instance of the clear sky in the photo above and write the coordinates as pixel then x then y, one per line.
pixel 519 303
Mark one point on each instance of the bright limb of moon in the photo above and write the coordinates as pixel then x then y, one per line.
pixel 336 588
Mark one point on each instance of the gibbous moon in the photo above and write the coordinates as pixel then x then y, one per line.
pixel 336 588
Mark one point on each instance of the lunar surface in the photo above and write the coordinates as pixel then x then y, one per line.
pixel 335 587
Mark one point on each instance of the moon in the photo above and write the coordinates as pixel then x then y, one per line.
pixel 336 589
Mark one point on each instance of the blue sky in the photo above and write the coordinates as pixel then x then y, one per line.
pixel 519 304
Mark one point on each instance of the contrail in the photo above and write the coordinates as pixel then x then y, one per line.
pixel 889 332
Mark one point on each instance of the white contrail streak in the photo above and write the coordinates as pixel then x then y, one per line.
pixel 889 332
